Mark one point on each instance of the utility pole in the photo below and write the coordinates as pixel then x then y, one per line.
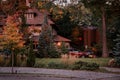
pixel 12 61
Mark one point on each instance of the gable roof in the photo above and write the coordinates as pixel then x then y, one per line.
pixel 60 38
pixel 56 39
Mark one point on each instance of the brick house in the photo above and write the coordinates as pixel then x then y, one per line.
pixel 35 19
pixel 91 36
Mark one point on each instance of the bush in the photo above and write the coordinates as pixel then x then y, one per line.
pixel 40 65
pixel 80 65
pixel 57 65
pixel 31 60
pixel 117 62
pixel 53 54
pixel 63 48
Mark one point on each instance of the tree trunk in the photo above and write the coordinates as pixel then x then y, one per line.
pixel 104 38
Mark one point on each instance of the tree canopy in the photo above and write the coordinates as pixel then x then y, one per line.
pixel 12 38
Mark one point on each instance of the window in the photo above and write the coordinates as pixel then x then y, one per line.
pixel 29 15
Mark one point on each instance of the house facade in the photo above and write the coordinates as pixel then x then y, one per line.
pixel 91 36
pixel 35 20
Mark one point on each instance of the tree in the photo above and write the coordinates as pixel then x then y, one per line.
pixel 48 5
pixel 113 22
pixel 116 48
pixel 45 38
pixel 114 36
pixel 64 25
pixel 12 38
pixel 113 31
pixel 116 51
pixel 100 8
pixel 8 6
pixel 79 14
pixel 31 55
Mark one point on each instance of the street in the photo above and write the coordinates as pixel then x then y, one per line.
pixel 35 77
pixel 47 77
pixel 27 73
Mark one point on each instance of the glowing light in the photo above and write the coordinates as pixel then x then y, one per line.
pixel 59 43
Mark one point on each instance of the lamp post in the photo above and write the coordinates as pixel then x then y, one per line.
pixel 12 61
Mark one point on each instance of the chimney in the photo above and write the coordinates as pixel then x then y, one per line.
pixel 28 3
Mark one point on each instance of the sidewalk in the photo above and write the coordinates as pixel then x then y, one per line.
pixel 67 73
pixel 112 69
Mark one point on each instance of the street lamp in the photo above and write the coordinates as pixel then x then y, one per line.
pixel 12 61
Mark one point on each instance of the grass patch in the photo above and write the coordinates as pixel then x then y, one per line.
pixel 45 61
pixel 101 61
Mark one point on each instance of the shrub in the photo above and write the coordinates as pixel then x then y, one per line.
pixel 116 50
pixel 40 65
pixel 64 49
pixel 57 65
pixel 80 65
pixel 117 62
pixel 53 53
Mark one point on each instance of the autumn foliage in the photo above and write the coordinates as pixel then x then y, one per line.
pixel 12 38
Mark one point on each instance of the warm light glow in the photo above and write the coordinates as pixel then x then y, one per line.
pixel 59 43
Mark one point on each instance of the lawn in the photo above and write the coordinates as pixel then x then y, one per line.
pixel 101 61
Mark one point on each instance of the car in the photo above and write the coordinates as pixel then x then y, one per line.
pixel 90 54
pixel 77 53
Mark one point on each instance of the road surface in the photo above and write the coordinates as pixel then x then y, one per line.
pixel 26 73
